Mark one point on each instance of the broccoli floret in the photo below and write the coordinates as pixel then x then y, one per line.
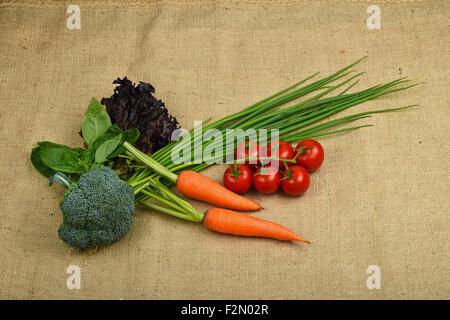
pixel 97 210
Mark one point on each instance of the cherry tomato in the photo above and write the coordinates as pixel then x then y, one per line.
pixel 238 178
pixel 248 150
pixel 281 150
pixel 296 180
pixel 311 154
pixel 266 179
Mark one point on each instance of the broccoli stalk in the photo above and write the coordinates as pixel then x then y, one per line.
pixel 97 210
pixel 61 178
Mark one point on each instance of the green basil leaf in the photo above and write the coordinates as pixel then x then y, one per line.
pixel 95 122
pixel 61 158
pixel 107 147
pixel 112 132
pixel 48 144
pixel 79 151
pixel 38 164
pixel 130 136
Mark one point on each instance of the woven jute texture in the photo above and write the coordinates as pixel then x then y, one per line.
pixel 381 198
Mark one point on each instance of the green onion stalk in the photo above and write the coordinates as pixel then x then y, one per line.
pixel 302 120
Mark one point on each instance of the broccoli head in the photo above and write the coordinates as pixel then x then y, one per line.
pixel 97 210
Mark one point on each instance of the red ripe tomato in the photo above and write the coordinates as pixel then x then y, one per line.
pixel 238 178
pixel 266 179
pixel 296 180
pixel 248 150
pixel 281 150
pixel 311 154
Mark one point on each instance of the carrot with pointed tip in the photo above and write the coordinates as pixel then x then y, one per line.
pixel 197 186
pixel 231 222
pixel 220 220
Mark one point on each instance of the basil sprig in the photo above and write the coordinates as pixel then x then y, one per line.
pixel 104 142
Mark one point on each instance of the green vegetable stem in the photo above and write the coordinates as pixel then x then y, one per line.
pixel 61 178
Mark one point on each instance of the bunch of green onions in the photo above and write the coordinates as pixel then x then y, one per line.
pixel 302 120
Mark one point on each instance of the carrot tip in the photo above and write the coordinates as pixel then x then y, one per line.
pixel 256 208
pixel 300 239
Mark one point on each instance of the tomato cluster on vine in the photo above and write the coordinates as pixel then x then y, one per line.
pixel 276 165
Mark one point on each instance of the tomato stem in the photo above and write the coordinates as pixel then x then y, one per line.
pixel 235 170
pixel 303 150
pixel 288 174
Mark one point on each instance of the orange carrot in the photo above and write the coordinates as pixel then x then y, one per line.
pixel 227 221
pixel 200 187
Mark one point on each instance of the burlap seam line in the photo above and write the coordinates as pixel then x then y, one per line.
pixel 137 3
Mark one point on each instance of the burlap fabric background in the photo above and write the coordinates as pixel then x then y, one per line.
pixel 382 196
